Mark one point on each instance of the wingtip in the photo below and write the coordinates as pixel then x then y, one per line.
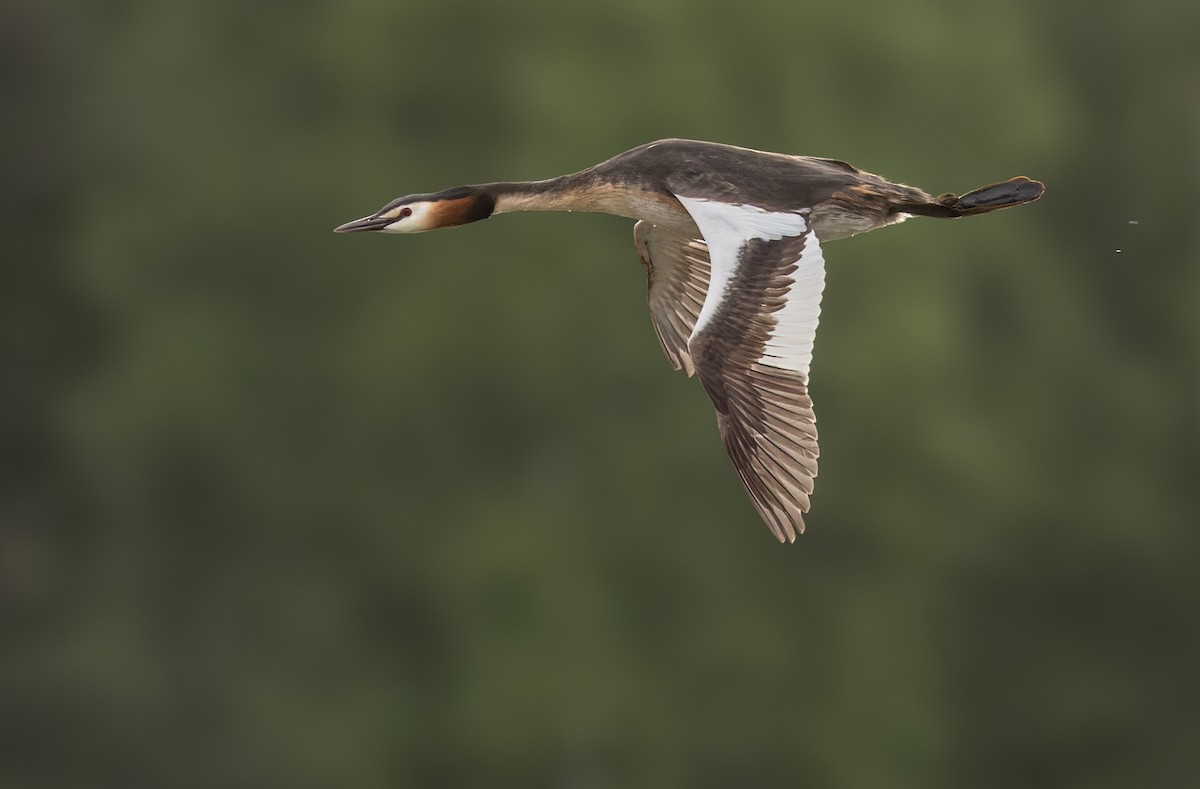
pixel 797 530
pixel 786 533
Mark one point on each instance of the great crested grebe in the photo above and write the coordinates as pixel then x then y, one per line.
pixel 731 241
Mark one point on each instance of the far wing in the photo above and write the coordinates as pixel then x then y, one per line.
pixel 752 346
pixel 676 278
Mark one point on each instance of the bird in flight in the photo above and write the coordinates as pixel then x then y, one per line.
pixel 731 240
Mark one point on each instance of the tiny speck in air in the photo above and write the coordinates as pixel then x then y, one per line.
pixel 1118 251
pixel 1133 221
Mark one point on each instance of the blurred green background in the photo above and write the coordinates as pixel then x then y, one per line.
pixel 284 508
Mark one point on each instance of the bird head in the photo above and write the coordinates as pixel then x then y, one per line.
pixel 418 213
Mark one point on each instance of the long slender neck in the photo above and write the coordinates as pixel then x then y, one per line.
pixel 581 191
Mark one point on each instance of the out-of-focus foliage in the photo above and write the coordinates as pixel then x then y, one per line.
pixel 284 508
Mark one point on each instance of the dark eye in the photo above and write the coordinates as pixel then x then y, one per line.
pixel 406 211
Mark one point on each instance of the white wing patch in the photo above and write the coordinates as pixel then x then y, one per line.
pixel 790 344
pixel 726 229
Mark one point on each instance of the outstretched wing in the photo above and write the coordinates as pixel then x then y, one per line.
pixel 752 345
pixel 677 279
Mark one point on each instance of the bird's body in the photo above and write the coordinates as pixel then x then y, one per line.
pixel 731 240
